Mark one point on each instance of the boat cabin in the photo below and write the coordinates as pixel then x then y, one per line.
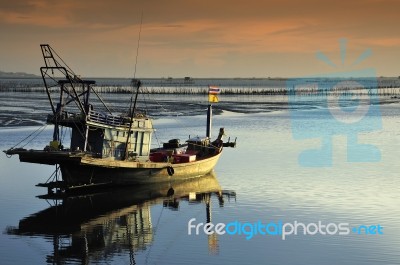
pixel 99 133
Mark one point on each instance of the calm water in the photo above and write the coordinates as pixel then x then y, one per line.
pixel 261 179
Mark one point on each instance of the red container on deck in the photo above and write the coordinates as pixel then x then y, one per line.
pixel 184 158
pixel 158 157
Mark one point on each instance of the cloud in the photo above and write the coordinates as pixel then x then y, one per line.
pixel 202 34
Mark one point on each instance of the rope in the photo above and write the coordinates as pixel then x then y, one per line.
pixel 155 134
pixel 145 92
pixel 35 136
pixel 40 128
pixel 59 57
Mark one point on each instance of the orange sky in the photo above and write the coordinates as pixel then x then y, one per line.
pixel 207 38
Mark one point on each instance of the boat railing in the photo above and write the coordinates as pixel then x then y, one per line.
pixel 106 119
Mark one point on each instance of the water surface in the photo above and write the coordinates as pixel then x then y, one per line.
pixel 263 171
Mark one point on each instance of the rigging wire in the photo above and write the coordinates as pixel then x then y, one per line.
pixel 110 110
pixel 39 130
pixel 146 92
pixel 44 127
pixel 59 57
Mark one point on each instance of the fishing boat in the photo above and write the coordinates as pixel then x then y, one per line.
pixel 108 148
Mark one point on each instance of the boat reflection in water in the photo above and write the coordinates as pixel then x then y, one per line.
pixel 93 227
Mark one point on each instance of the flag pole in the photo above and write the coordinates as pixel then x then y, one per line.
pixel 212 97
pixel 209 120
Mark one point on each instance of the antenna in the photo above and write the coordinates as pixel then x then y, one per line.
pixel 138 43
pixel 138 83
pixel 131 110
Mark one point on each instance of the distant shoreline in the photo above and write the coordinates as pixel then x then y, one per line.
pixel 229 86
pixel 17 75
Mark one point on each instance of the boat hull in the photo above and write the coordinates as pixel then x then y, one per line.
pixel 79 173
pixel 78 169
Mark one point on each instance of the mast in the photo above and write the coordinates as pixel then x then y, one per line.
pixel 132 115
pixel 132 109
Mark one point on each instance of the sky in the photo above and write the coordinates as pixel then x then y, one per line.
pixel 203 38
